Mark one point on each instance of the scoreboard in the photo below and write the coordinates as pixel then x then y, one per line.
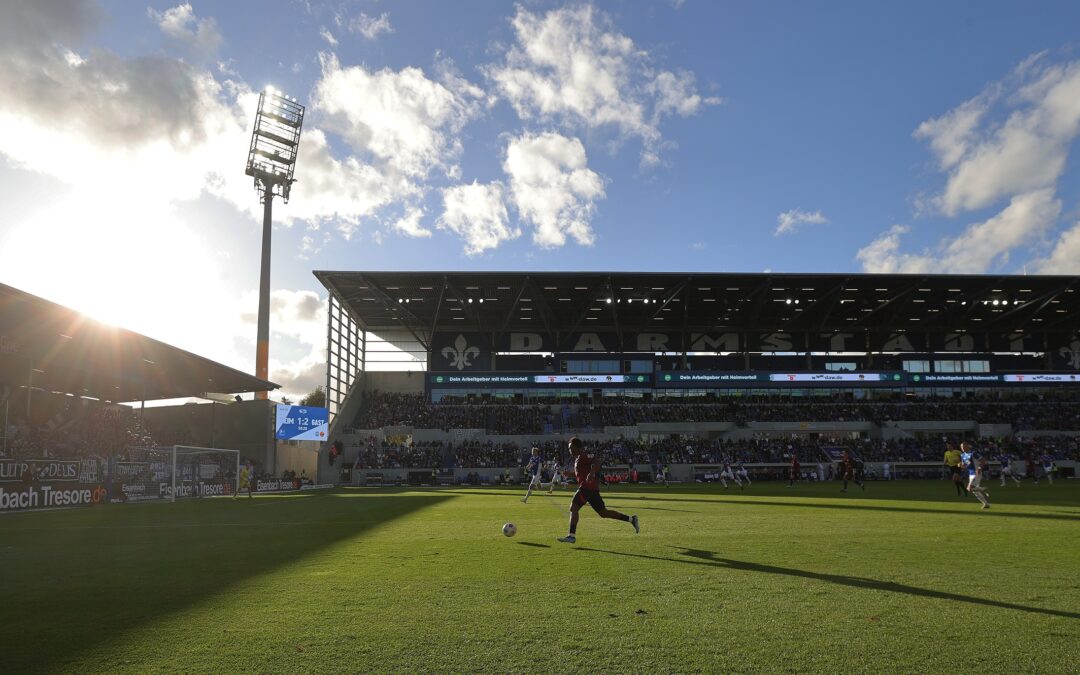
pixel 301 423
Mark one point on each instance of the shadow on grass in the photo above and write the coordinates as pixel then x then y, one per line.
pixel 859 501
pixel 533 544
pixel 865 505
pixel 73 581
pixel 710 559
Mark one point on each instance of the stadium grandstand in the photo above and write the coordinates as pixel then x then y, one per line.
pixel 73 394
pixel 453 376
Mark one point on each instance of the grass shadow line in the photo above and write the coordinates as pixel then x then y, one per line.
pixel 710 559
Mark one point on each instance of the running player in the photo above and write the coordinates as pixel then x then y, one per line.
pixel 533 470
pixel 661 473
pixel 794 476
pixel 587 472
pixel 741 473
pixel 970 459
pixel 952 463
pixel 1047 461
pixel 727 474
pixel 556 476
pixel 848 472
pixel 1006 469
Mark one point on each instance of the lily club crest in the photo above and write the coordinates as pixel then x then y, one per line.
pixel 461 353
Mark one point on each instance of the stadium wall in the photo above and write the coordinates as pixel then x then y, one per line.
pixel 397 382
pixel 298 456
pixel 247 426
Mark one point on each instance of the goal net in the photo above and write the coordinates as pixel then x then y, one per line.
pixel 175 472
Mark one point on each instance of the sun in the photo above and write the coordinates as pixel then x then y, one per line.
pixel 135 265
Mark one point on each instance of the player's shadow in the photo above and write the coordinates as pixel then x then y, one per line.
pixel 710 559
pixel 75 581
pixel 533 544
pixel 869 505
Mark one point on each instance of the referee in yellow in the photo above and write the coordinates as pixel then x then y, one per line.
pixel 952 463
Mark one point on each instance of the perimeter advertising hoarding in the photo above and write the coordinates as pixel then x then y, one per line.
pixel 301 423
pixel 55 470
pixel 992 379
pixel 716 380
pixel 523 380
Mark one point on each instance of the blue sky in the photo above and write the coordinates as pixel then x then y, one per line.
pixel 664 136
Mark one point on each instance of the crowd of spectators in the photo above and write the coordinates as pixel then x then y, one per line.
pixel 392 410
pixel 410 410
pixel 63 426
pixel 762 450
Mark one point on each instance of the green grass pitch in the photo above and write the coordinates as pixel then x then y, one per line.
pixel 905 578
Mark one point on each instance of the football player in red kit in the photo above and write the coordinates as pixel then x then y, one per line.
pixel 587 474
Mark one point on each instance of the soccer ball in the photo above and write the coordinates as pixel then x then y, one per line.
pixel 509 529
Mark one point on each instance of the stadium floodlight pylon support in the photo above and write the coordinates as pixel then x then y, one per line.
pixel 275 141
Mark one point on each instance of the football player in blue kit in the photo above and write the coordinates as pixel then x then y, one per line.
pixel 970 460
pixel 533 470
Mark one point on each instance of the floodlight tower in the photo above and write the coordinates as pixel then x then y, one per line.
pixel 271 160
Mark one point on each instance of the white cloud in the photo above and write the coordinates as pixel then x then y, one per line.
pixel 983 245
pixel 571 65
pixel 1025 152
pixel 131 139
pixel 789 221
pixel 1009 144
pixel 401 119
pixel 477 213
pixel 340 191
pixel 676 94
pixel 1065 256
pixel 552 187
pixel 883 256
pixel 409 224
pixel 952 134
pixel 201 36
pixel 371 27
pixel 328 36
pixel 979 248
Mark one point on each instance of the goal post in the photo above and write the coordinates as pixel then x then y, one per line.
pixel 203 467
pixel 163 473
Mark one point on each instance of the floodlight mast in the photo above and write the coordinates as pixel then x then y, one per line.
pixel 271 161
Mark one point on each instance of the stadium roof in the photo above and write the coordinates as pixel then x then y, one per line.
pixel 65 351
pixel 428 302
